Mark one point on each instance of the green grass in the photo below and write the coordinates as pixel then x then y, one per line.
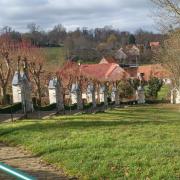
pixel 55 55
pixel 131 143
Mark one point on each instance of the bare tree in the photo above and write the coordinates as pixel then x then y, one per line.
pixel 169 57
pixel 36 64
pixel 168 13
pixel 7 49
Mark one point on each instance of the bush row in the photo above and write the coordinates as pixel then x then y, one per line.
pixel 11 108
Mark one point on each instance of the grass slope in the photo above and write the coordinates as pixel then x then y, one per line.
pixel 55 55
pixel 131 143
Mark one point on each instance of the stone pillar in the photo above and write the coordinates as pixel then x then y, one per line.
pixel 175 96
pixel 26 94
pixel 140 95
pixel 59 96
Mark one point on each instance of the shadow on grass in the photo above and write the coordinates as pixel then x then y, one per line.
pixel 58 125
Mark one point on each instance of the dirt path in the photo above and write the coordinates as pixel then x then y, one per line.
pixel 33 166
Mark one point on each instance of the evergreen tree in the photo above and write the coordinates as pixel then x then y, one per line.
pixel 132 39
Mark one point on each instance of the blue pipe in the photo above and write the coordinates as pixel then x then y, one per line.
pixel 16 173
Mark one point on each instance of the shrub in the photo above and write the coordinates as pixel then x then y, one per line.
pixel 11 108
pixel 154 86
pixel 71 107
pixel 125 89
pixel 100 104
pixel 49 107
pixel 87 106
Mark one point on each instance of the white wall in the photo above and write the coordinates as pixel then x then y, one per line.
pixel 52 96
pixel 73 98
pixel 175 96
pixel 101 96
pixel 16 90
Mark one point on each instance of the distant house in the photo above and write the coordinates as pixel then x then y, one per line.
pixel 121 56
pixel 154 70
pixel 107 60
pixel 104 72
pixel 128 56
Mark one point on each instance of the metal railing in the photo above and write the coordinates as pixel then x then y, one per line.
pixel 15 173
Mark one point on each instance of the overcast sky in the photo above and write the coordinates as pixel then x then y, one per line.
pixel 127 15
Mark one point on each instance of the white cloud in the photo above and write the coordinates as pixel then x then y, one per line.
pixel 122 14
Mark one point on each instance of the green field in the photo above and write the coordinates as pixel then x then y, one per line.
pixel 55 55
pixel 128 143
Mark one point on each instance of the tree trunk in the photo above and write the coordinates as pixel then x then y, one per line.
pixel 98 93
pixel 39 96
pixel 4 95
pixel 106 95
pixel 79 100
pixel 94 97
pixel 117 99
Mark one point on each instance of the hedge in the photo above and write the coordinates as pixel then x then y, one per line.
pixel 11 108
pixel 49 107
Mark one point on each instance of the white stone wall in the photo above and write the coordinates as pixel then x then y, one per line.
pixel 89 97
pixel 175 96
pixel 167 81
pixel 16 90
pixel 113 96
pixel 52 96
pixel 101 96
pixel 73 98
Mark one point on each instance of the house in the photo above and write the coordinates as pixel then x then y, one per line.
pixel 102 72
pixel 154 70
pixel 107 60
pixel 121 56
pixel 128 56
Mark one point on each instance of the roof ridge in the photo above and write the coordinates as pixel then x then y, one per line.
pixel 111 69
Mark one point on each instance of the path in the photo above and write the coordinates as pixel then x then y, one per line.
pixel 8 117
pixel 20 159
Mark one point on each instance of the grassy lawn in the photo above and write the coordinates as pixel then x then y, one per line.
pixel 131 143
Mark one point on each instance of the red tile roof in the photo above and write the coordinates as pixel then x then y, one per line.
pixel 154 70
pixel 103 72
pixel 154 44
pixel 132 71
